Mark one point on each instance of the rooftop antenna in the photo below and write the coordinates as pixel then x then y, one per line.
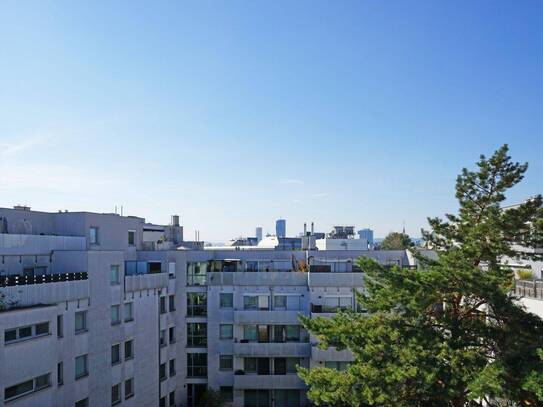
pixel 403 229
pixel 115 209
pixel 121 210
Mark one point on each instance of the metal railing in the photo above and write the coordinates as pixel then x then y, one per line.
pixel 529 289
pixel 15 280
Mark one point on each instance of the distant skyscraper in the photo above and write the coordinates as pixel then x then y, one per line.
pixel 258 234
pixel 366 234
pixel 281 228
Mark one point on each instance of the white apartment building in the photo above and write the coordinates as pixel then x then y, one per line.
pixel 101 309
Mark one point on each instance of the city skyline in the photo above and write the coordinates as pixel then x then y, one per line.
pixel 235 115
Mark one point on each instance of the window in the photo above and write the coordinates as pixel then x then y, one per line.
pixel 128 312
pixel 335 304
pixel 27 387
pixel 114 275
pixel 226 331
pixel 42 329
pixel 171 269
pixel 131 237
pixel 60 373
pixel 257 398
pixel 197 273
pixel 227 300
pixel 60 326
pixel 172 367
pixel 196 304
pixel 128 350
pixel 82 403
pixel 128 388
pixel 260 366
pixel 162 337
pixel 162 305
pixel 171 335
pixel 171 303
pixel 115 354
pixel 196 334
pixel 336 365
pixel 26 332
pixel 172 399
pixel 81 366
pixel 162 402
pixel 280 302
pixel 162 372
pixel 226 362
pixel 93 235
pixel 249 333
pixel 80 321
pixel 286 397
pixel 115 394
pixel 196 364
pixel 227 393
pixel 283 366
pixel 256 302
pixel 115 315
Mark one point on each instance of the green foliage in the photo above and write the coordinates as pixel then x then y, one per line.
pixel 396 241
pixel 525 274
pixel 451 332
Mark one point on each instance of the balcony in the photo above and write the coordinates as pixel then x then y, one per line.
pixel 331 354
pixel 266 317
pixel 145 281
pixel 272 349
pixel 529 289
pixel 272 278
pixel 336 279
pixel 50 292
pixel 17 280
pixel 290 381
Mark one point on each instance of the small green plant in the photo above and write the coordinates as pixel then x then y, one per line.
pixel 525 275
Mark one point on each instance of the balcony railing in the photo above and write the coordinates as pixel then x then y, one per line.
pixel 529 289
pixel 16 280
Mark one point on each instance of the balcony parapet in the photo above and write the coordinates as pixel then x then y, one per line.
pixel 299 349
pixel 289 381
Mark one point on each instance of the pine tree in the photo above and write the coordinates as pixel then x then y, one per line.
pixel 451 332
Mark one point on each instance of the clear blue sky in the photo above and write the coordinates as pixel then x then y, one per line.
pixel 234 113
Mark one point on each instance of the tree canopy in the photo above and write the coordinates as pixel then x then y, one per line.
pixel 451 332
pixel 396 241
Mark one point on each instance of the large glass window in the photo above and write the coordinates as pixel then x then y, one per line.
pixel 131 237
pixel 226 362
pixel 196 334
pixel 257 398
pixel 256 302
pixel 259 366
pixel 196 364
pixel 196 304
pixel 337 303
pixel 196 273
pixel 227 393
pixel 27 387
pixel 249 333
pixel 336 365
pixel 227 300
pixel 226 331
pixel 286 398
pixel 280 302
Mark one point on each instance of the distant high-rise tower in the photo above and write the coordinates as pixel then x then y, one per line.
pixel 366 234
pixel 281 228
pixel 258 234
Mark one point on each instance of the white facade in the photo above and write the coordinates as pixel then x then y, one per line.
pixel 92 310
